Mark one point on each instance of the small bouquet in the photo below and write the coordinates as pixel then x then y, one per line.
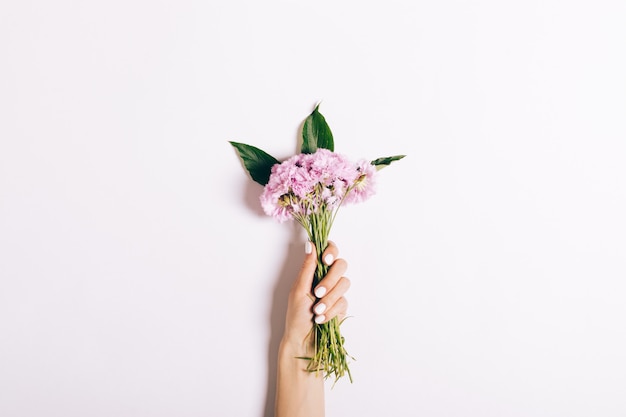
pixel 310 187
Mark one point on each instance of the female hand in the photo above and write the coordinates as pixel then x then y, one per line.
pixel 299 392
pixel 320 305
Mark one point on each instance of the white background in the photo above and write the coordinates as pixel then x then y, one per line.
pixel 138 276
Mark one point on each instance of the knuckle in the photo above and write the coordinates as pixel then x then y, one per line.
pixel 341 264
pixel 346 282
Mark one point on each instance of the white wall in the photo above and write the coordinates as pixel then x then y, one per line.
pixel 138 276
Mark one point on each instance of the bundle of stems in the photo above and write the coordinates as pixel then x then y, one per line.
pixel 330 356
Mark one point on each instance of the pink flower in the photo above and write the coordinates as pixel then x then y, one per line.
pixel 365 185
pixel 308 183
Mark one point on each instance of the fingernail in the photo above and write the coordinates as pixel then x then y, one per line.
pixel 308 248
pixel 320 292
pixel 320 308
pixel 329 259
pixel 320 319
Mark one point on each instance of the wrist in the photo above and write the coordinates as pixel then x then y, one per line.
pixel 290 348
pixel 299 392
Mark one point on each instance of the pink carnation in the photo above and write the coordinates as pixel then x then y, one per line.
pixel 365 185
pixel 308 183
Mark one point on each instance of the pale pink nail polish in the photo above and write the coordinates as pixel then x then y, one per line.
pixel 308 248
pixel 320 292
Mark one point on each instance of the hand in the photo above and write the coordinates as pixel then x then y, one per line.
pixel 321 305
pixel 300 393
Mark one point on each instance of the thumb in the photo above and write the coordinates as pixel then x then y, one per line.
pixel 304 281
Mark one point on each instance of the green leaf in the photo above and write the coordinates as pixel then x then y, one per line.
pixel 380 163
pixel 316 133
pixel 258 163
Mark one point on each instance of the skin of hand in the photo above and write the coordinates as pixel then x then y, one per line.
pixel 328 301
pixel 300 393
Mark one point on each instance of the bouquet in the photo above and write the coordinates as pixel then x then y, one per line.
pixel 309 188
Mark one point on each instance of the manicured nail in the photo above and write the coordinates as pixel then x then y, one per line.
pixel 329 259
pixel 320 292
pixel 320 308
pixel 320 319
pixel 308 248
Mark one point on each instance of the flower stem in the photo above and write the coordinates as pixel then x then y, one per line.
pixel 330 357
